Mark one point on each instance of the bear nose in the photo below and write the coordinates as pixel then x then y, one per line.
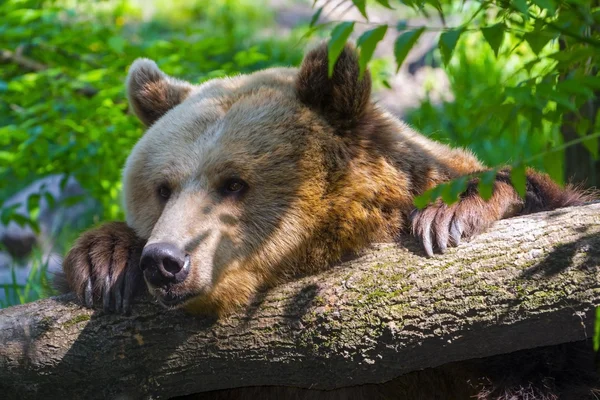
pixel 164 264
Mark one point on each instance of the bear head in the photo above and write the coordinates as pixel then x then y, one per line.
pixel 241 182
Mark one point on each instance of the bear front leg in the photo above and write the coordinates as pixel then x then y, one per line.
pixel 440 225
pixel 103 267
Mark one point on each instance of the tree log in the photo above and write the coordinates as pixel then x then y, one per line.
pixel 530 281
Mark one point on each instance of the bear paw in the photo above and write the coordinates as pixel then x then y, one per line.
pixel 442 225
pixel 103 267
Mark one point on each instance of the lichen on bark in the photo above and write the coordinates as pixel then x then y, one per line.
pixel 528 282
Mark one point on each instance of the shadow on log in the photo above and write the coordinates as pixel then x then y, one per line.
pixel 531 281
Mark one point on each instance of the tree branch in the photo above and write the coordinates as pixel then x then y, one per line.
pixel 27 63
pixel 530 281
pixel 18 58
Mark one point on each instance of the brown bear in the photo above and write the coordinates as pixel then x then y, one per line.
pixel 241 183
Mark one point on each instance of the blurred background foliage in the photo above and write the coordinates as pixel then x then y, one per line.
pixel 523 85
pixel 63 106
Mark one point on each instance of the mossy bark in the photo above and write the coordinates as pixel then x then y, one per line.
pixel 528 282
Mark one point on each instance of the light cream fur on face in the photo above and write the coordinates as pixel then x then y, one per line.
pixel 248 127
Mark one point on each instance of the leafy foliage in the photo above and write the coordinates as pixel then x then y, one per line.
pixel 404 43
pixel 539 65
pixel 36 286
pixel 64 108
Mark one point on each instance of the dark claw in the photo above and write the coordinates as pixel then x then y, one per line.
pixel 130 282
pixel 106 294
pixel 413 214
pixel 117 293
pixel 126 305
pixel 88 296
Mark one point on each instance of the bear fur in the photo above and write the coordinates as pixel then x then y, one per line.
pixel 259 178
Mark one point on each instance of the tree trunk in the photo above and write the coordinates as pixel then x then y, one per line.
pixel 531 281
pixel 580 166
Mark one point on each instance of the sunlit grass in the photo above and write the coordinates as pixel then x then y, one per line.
pixel 38 284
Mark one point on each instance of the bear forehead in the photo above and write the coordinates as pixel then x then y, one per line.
pixel 242 108
pixel 252 119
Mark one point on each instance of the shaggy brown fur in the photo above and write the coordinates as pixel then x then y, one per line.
pixel 320 172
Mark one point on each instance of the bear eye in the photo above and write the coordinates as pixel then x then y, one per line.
pixel 164 192
pixel 234 186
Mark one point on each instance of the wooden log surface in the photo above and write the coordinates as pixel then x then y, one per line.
pixel 530 281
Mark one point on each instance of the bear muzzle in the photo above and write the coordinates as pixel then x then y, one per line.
pixel 164 264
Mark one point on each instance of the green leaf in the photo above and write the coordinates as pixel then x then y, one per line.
pixel 518 179
pixel 521 5
pixel 437 191
pixel 385 3
pixel 552 166
pixel 574 86
pixel 573 55
pixel 591 144
pixel 537 40
pixel 435 4
pixel 20 219
pixel 429 196
pixel 452 191
pixel 116 43
pixel 494 35
pixel 7 157
pixel 447 43
pixel 33 205
pixel 315 17
pixel 591 81
pixel 367 43
pixel 7 214
pixel 422 201
pixel 545 4
pixel 339 36
pixel 485 187
pixel 545 91
pixel 72 200
pixel 50 199
pixel 362 7
pixel 404 43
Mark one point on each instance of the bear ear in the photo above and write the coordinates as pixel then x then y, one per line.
pixel 343 98
pixel 151 92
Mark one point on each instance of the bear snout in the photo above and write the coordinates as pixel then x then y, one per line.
pixel 164 264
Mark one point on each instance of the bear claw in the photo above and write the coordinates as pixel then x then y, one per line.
pixel 447 225
pixel 103 267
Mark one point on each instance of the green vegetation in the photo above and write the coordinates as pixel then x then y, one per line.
pixel 525 81
pixel 36 287
pixel 523 76
pixel 63 108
